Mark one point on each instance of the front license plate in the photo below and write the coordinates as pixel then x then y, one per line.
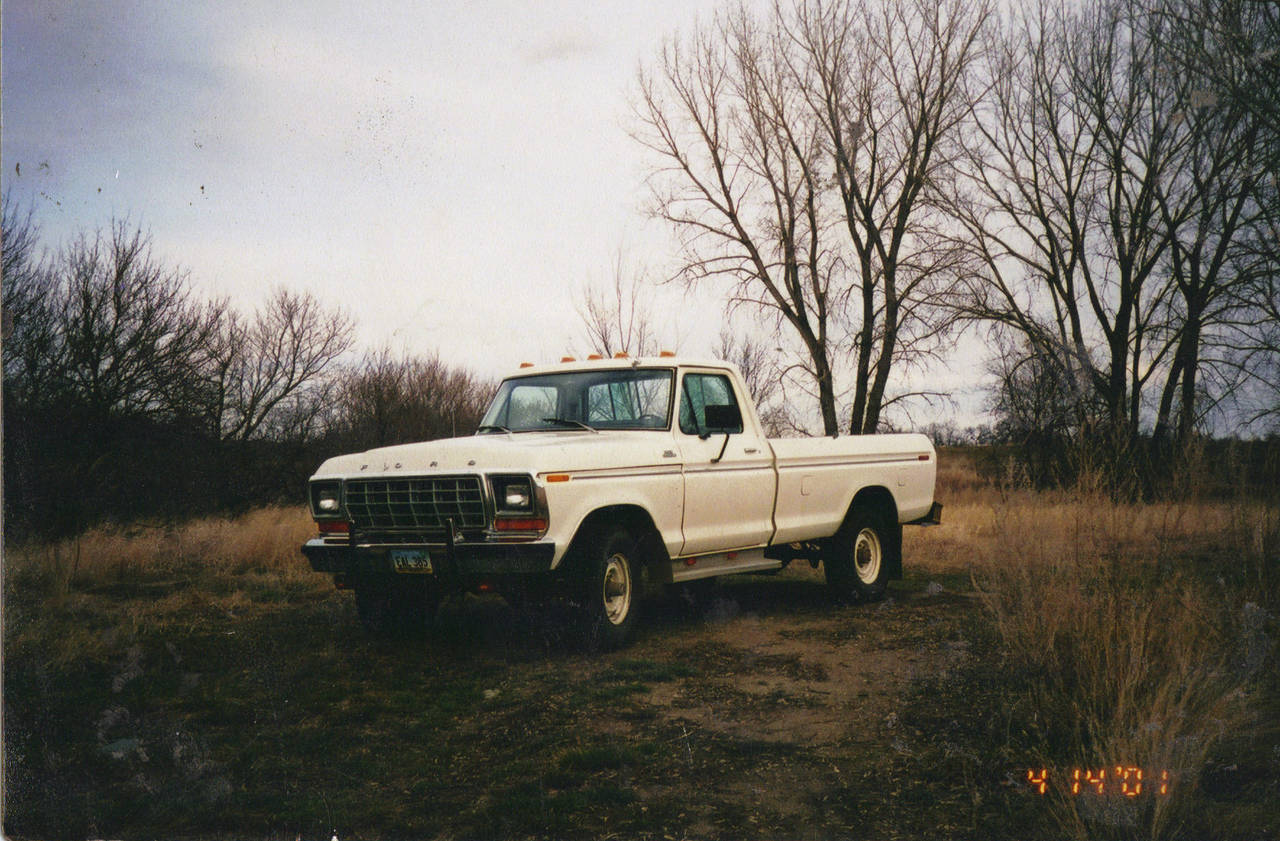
pixel 411 560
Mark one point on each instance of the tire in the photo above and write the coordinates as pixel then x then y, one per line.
pixel 396 606
pixel 858 559
pixel 611 588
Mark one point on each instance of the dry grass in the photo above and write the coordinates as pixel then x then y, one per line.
pixel 124 581
pixel 265 540
pixel 1135 634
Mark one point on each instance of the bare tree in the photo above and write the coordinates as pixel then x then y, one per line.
pixel 1228 253
pixel 260 372
pixel 740 181
pixel 1209 208
pixel 1107 207
pixel 127 394
pixel 388 399
pixel 28 313
pixel 762 375
pixel 1039 407
pixel 886 82
pixel 128 329
pixel 619 318
pixel 1247 354
pixel 800 156
pixel 1232 48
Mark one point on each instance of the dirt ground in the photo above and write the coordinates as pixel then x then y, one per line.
pixel 778 664
pixel 784 703
pixel 764 707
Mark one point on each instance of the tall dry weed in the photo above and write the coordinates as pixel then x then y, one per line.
pixel 1123 626
pixel 78 598
pixel 264 540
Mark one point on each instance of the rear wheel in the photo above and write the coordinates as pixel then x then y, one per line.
pixel 611 587
pixel 396 605
pixel 857 559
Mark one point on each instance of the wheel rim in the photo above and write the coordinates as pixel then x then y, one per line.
pixel 617 589
pixel 867 555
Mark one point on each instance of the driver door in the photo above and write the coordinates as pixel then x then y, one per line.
pixel 729 486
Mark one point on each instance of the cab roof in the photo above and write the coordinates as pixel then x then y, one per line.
pixel 599 363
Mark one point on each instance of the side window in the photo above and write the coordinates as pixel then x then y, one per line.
pixel 698 392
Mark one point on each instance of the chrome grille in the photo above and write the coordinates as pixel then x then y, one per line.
pixel 423 504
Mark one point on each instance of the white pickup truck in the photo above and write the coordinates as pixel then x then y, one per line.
pixel 600 479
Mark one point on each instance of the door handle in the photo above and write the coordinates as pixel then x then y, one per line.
pixel 751 450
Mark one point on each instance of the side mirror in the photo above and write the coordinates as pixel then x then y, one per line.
pixel 722 419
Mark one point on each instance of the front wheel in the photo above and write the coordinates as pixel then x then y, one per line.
pixel 611 588
pixel 857 559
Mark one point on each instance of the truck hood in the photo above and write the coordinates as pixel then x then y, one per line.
pixel 522 452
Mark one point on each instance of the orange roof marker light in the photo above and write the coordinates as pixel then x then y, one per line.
pixel 666 354
pixel 622 354
pixel 526 364
pixel 567 359
pixel 594 356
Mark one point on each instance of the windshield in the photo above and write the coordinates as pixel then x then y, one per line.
pixel 622 398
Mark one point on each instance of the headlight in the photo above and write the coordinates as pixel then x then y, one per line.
pixel 513 493
pixel 516 498
pixel 326 499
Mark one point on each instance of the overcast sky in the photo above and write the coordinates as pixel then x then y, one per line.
pixel 453 174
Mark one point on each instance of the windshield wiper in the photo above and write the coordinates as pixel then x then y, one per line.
pixel 571 422
pixel 488 427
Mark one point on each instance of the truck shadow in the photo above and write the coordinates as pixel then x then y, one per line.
pixel 487 624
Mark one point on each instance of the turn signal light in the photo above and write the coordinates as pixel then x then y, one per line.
pixel 334 527
pixel 520 524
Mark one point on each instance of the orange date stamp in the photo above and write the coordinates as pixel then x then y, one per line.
pixel 1117 780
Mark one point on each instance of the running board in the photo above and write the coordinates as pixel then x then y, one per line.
pixel 722 563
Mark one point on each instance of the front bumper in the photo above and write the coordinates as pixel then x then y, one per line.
pixel 448 562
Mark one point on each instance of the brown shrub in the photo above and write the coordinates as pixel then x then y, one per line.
pixel 1124 624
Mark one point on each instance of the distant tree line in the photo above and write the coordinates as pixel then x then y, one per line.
pixel 127 395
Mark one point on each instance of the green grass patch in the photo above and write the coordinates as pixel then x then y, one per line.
pixel 647 671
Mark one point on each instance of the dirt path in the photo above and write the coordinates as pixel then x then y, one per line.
pixel 811 689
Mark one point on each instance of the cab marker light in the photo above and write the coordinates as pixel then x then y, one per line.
pixel 526 364
pixel 567 359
